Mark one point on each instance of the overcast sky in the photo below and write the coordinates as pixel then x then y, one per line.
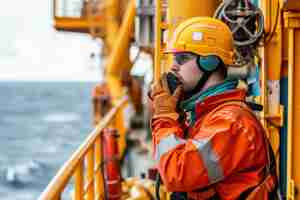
pixel 30 49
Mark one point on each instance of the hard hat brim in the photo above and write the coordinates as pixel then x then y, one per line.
pixel 170 51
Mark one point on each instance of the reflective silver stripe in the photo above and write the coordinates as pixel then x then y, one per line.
pixel 166 144
pixel 210 159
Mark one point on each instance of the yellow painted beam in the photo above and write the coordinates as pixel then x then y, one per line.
pixel 292 24
pixel 117 62
pixel 75 24
pixel 112 23
pixel 271 67
pixel 182 10
pixel 273 45
pixel 296 135
pixel 119 56
pixel 291 33
pixel 157 49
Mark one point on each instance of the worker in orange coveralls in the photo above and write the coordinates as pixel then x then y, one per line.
pixel 219 150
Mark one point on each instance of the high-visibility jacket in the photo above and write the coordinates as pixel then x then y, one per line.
pixel 225 148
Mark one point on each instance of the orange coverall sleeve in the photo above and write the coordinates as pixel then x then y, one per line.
pixel 225 141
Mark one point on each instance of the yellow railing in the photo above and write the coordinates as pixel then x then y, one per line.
pixel 84 166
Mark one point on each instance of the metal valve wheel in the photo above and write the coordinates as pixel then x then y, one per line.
pixel 245 20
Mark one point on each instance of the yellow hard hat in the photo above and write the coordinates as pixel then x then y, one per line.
pixel 203 36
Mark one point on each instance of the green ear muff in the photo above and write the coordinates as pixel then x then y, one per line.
pixel 208 63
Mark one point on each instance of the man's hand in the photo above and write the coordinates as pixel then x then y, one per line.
pixel 165 103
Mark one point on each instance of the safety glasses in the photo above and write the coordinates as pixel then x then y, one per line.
pixel 182 58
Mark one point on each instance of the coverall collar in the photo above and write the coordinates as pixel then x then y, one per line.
pixel 203 101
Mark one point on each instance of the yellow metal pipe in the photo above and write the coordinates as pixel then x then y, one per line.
pixel 273 56
pixel 157 55
pixel 266 7
pixel 292 23
pixel 182 10
pixel 296 110
pixel 274 46
pixel 79 182
pixel 263 77
pixel 59 182
pixel 263 99
pixel 271 64
pixel 117 59
pixel 90 173
pixel 290 111
pixel 112 16
pixel 179 11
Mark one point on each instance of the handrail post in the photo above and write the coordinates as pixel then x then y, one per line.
pixel 98 162
pixel 90 174
pixel 79 185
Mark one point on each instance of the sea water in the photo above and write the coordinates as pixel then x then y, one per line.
pixel 41 125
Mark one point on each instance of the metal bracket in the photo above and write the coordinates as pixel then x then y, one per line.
pixel 276 120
